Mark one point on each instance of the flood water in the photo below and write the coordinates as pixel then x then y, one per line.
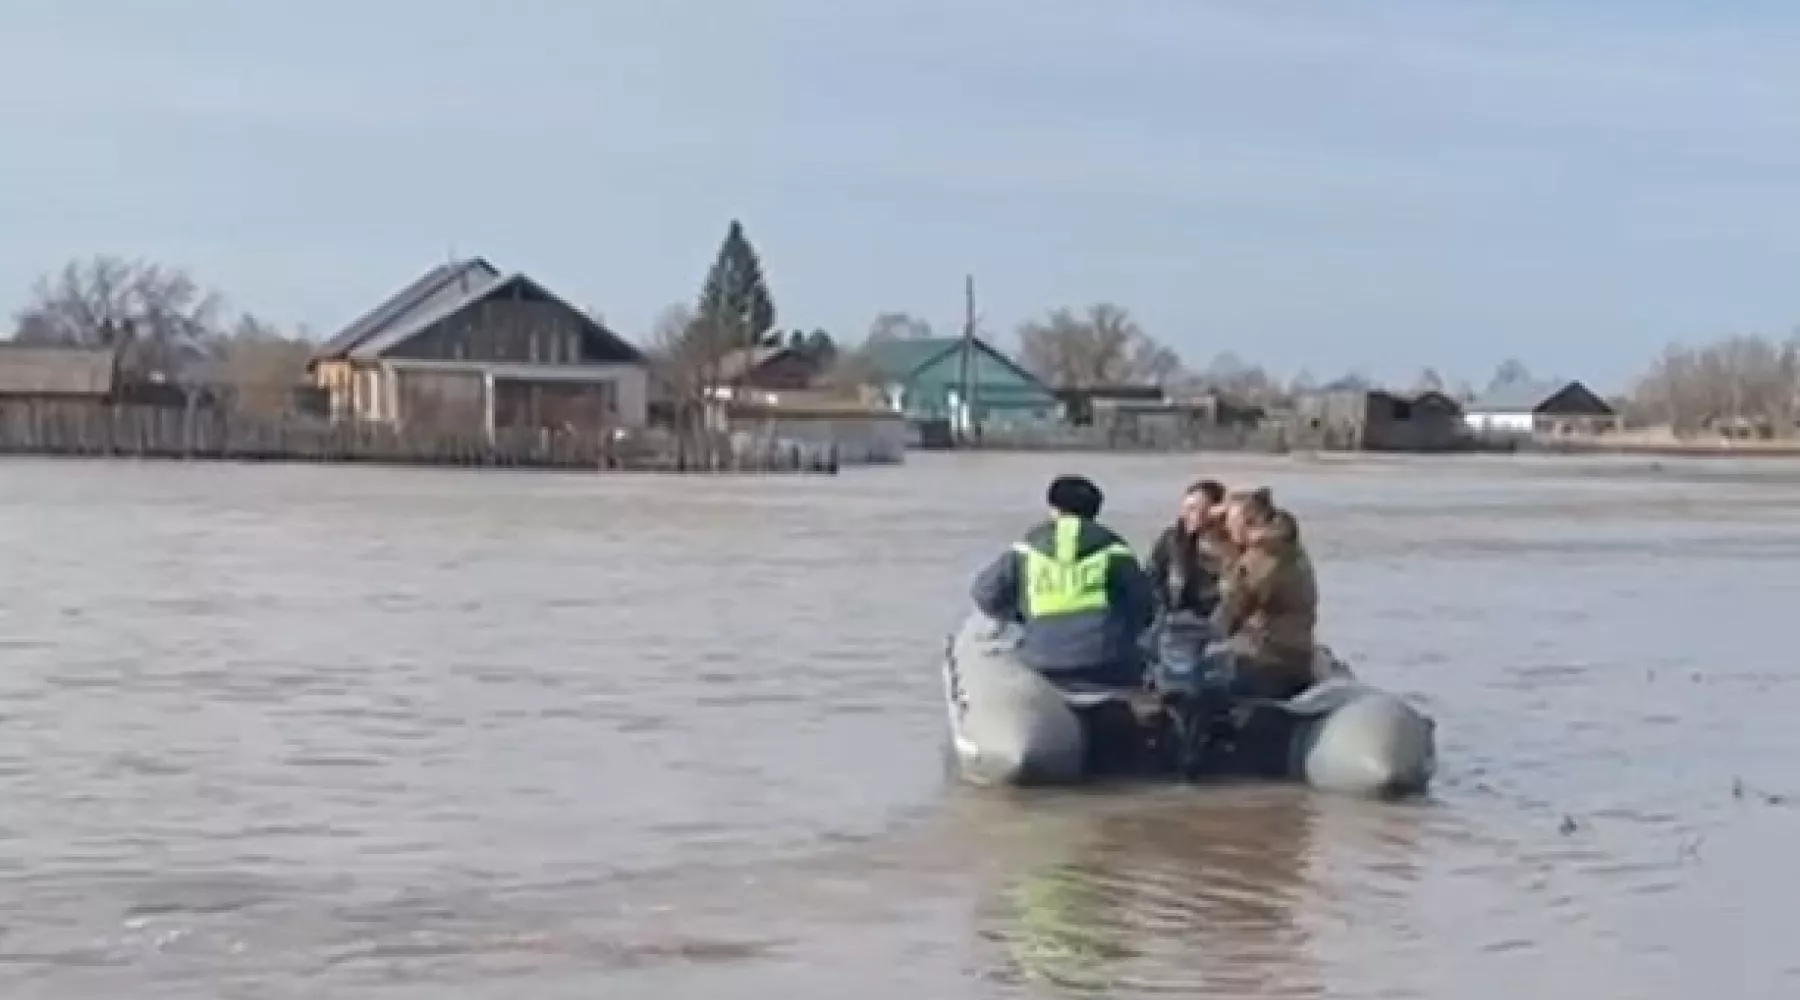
pixel 313 732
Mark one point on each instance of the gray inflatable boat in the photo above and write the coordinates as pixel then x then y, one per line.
pixel 1009 726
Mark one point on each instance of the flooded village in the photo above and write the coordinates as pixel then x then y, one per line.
pixel 470 364
pixel 517 508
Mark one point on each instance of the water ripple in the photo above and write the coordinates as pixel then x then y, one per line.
pixel 304 732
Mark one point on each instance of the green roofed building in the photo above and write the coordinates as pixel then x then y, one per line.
pixel 922 379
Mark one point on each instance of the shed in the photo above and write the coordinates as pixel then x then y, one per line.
pixel 1531 408
pixel 1378 420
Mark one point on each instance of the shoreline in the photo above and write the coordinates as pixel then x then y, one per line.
pixel 1541 447
pixel 1647 448
pixel 629 467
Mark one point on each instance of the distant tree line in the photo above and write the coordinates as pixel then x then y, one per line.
pixel 1736 383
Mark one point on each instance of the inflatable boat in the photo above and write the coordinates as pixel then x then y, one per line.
pixel 1010 726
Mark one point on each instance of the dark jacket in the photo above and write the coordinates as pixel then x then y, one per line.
pixel 1270 605
pixel 1184 570
pixel 1086 642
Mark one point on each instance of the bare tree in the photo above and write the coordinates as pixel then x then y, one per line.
pixel 898 326
pixel 1510 372
pixel 1737 383
pixel 1233 377
pixel 1101 346
pixel 1428 381
pixel 158 317
pixel 679 352
pixel 260 365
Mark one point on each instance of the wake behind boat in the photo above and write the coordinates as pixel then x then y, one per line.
pixel 1011 726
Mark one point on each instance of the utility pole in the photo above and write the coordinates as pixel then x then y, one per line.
pixel 965 387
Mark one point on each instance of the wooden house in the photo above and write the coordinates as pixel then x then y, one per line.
pixel 466 346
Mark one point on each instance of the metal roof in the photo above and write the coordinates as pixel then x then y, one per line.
pixel 1518 397
pixel 417 320
pixel 901 360
pixel 419 296
pixel 437 295
pixel 894 360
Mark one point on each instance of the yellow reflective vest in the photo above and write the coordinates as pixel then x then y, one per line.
pixel 1060 583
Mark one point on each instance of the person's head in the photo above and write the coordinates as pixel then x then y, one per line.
pixel 1246 511
pixel 1280 530
pixel 1074 496
pixel 1200 505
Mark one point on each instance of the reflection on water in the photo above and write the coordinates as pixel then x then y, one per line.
pixel 1213 893
pixel 1169 894
pixel 303 732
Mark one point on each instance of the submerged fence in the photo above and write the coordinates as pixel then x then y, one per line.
pixel 1049 437
pixel 96 430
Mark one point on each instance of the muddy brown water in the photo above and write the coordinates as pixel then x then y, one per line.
pixel 309 732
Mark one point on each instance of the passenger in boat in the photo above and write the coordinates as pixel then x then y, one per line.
pixel 1269 603
pixel 1231 516
pixel 1189 556
pixel 1078 591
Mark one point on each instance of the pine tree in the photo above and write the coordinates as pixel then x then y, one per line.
pixel 735 303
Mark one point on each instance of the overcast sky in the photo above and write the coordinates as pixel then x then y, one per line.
pixel 1322 185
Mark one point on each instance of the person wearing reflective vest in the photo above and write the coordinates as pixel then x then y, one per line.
pixel 1077 590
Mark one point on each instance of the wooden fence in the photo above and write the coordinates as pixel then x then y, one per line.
pixel 34 427
pixel 1266 438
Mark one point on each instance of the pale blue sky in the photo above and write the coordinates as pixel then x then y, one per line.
pixel 1327 185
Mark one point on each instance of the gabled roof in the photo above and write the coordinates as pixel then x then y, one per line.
pixel 1521 397
pixel 744 361
pixel 900 360
pixel 894 360
pixel 397 309
pixel 33 370
pixel 442 293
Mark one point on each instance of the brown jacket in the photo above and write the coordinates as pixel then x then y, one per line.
pixel 1269 603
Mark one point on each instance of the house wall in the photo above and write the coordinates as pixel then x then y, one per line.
pixel 357 390
pixel 1423 433
pixel 1377 421
pixel 994 396
pixel 334 377
pixel 515 330
pixel 627 385
pixel 552 404
pixel 1574 423
pixel 1488 424
pixel 999 394
pixel 448 400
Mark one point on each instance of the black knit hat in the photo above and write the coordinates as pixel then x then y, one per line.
pixel 1076 496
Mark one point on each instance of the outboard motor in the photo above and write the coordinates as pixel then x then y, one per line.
pixel 1180 652
pixel 1196 690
